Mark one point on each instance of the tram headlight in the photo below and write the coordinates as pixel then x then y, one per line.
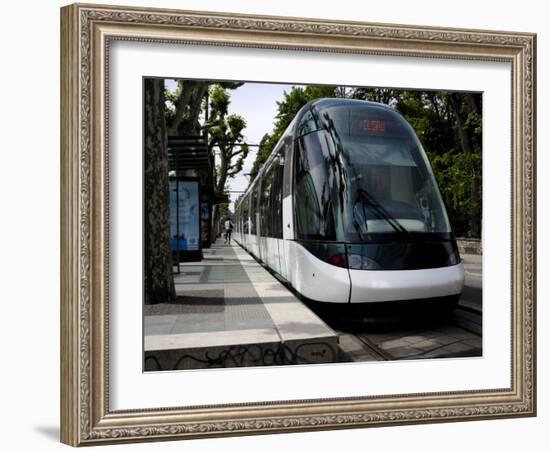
pixel 453 258
pixel 362 262
pixel 369 264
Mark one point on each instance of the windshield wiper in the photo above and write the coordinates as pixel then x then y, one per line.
pixel 379 210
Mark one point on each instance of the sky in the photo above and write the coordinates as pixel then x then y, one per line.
pixel 257 103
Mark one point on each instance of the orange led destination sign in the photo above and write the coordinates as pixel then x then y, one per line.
pixel 377 126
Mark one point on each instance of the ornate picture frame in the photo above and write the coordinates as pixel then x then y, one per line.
pixel 86 34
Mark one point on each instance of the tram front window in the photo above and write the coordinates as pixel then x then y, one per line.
pixel 315 189
pixel 390 187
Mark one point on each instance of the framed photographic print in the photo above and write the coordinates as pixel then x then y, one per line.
pixel 278 224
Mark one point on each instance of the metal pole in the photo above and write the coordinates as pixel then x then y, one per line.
pixel 178 222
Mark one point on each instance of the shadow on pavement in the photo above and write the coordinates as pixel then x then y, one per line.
pixel 382 318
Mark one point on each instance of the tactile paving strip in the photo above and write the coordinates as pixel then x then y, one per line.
pixel 243 307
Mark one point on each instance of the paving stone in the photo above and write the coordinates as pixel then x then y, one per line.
pixel 379 338
pixel 414 339
pixel 444 339
pixel 426 345
pixel 450 350
pixel 397 343
pixel 403 352
pixel 462 336
pixel 473 342
pixel 152 325
pixel 355 350
pixel 154 330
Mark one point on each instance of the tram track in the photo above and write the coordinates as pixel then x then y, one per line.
pixel 468 319
pixel 384 355
pixel 460 336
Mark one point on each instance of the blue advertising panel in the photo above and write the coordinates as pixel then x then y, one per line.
pixel 184 215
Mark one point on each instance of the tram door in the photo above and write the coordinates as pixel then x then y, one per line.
pixel 270 209
pixel 264 214
pixel 287 219
pixel 255 220
pixel 277 208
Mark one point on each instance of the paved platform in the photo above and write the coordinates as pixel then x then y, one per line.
pixel 230 311
pixel 473 289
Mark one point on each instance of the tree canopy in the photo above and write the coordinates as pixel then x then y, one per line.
pixel 225 134
pixel 197 106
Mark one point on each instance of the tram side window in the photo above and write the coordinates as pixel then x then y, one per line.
pixel 277 200
pixel 313 190
pixel 254 208
pixel 287 178
pixel 241 207
pixel 252 213
pixel 244 214
pixel 265 203
pixel 240 219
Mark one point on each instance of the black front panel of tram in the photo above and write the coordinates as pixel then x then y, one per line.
pixel 396 255
pixel 402 256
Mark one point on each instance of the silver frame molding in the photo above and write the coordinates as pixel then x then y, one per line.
pixel 86 31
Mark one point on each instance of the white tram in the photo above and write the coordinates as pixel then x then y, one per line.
pixel 347 210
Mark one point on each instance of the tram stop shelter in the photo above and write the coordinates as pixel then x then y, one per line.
pixel 192 195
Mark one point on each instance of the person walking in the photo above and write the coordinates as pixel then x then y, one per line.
pixel 228 228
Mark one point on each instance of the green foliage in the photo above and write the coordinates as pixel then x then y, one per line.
pixel 450 129
pixel 223 210
pixel 267 144
pixel 226 135
pixel 219 102
pixel 458 175
pixel 185 108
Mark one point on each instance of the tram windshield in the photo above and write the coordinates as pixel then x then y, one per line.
pixel 365 172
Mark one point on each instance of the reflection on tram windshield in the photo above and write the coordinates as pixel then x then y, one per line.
pixel 361 172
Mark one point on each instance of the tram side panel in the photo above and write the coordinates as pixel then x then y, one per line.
pixel 272 249
pixel 288 259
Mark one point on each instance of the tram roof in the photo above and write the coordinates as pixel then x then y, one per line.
pixel 322 103
pixel 318 104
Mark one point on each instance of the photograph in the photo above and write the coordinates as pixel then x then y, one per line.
pixel 290 224
pixel 276 224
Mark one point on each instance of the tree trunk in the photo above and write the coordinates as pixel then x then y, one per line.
pixel 192 125
pixel 181 105
pixel 220 187
pixel 461 124
pixel 158 275
pixel 222 177
pixel 214 224
pixel 188 109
